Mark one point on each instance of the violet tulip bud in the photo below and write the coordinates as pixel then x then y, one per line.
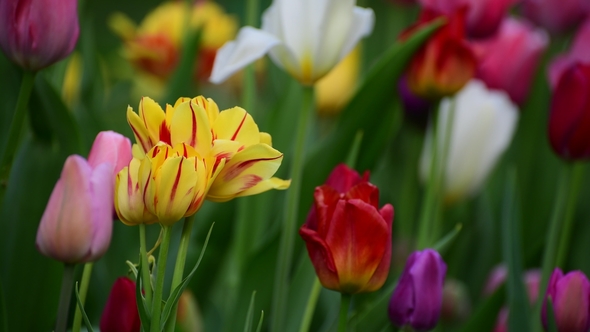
pixel 508 61
pixel 579 52
pixel 570 294
pixel 36 34
pixel 347 236
pixel 77 223
pixel 110 147
pixel 417 298
pixel 569 121
pixel 557 16
pixel 120 313
pixel 483 16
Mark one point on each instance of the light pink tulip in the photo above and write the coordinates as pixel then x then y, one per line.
pixel 555 15
pixel 508 61
pixel 483 16
pixel 36 34
pixel 111 147
pixel 579 52
pixel 77 223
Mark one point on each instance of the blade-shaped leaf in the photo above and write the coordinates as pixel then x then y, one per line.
pixel 144 313
pixel 442 244
pixel 484 316
pixel 250 315
pixel 81 306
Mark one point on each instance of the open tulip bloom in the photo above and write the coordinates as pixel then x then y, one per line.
pixel 306 38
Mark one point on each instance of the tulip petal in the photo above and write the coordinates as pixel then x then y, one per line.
pixel 266 185
pixel 236 124
pixel 363 21
pixel 250 45
pixel 245 169
pixel 175 189
pixel 428 274
pixel 366 192
pixel 357 239
pixel 401 305
pixel 380 275
pixel 64 231
pixel 571 302
pixel 321 257
pixel 191 126
pixel 102 187
pixel 326 200
pixel 265 138
pixel 141 134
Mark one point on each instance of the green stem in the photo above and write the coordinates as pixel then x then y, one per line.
pixel 568 220
pixel 179 265
pixel 343 316
pixel 145 268
pixel 552 241
pixel 14 133
pixel 64 298
pixel 290 216
pixel 311 303
pixel 83 290
pixel 162 257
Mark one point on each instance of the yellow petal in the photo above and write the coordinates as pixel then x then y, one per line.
pixel 175 189
pixel 209 106
pixel 266 185
pixel 265 138
pixel 154 119
pixel 201 186
pixel 139 131
pixel 190 125
pixel 122 25
pixel 129 202
pixel 245 170
pixel 237 125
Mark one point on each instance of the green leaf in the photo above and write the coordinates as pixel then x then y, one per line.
pixel 182 78
pixel 259 327
pixel 518 302
pixel 484 316
pixel 443 244
pixel 144 312
pixel 551 325
pixel 3 317
pixel 175 295
pixel 374 316
pixel 81 306
pixel 300 291
pixel 250 315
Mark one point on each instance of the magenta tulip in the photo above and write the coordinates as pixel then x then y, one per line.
pixel 570 294
pixel 483 16
pixel 36 34
pixel 417 298
pixel 579 52
pixel 508 61
pixel 347 236
pixel 77 223
pixel 569 121
pixel 111 147
pixel 556 16
pixel 120 313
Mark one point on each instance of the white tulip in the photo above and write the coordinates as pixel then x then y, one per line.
pixel 306 38
pixel 483 125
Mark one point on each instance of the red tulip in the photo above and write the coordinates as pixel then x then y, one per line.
pixel 579 52
pixel 347 237
pixel 445 63
pixel 569 121
pixel 508 60
pixel 36 34
pixel 483 16
pixel 120 313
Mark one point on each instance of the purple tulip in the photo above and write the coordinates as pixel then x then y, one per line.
pixel 77 223
pixel 570 294
pixel 555 15
pixel 417 299
pixel 111 147
pixel 36 34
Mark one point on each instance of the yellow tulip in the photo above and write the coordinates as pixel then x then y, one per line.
pixel 129 202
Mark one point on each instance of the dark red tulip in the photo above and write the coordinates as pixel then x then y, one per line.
pixel 120 313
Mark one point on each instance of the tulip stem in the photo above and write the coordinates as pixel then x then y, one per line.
pixel 162 257
pixel 64 298
pixel 145 268
pixel 572 199
pixel 284 259
pixel 311 304
pixel 14 133
pixel 552 241
pixel 343 316
pixel 185 237
pixel 77 326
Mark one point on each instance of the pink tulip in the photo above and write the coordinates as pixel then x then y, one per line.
pixel 508 60
pixel 36 34
pixel 77 223
pixel 579 52
pixel 555 15
pixel 570 294
pixel 111 147
pixel 483 16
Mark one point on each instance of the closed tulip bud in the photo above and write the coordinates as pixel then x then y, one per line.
pixel 570 294
pixel 508 61
pixel 445 63
pixel 347 237
pixel 120 313
pixel 483 124
pixel 483 16
pixel 37 34
pixel 569 121
pixel 417 298
pixel 111 147
pixel 77 223
pixel 557 16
